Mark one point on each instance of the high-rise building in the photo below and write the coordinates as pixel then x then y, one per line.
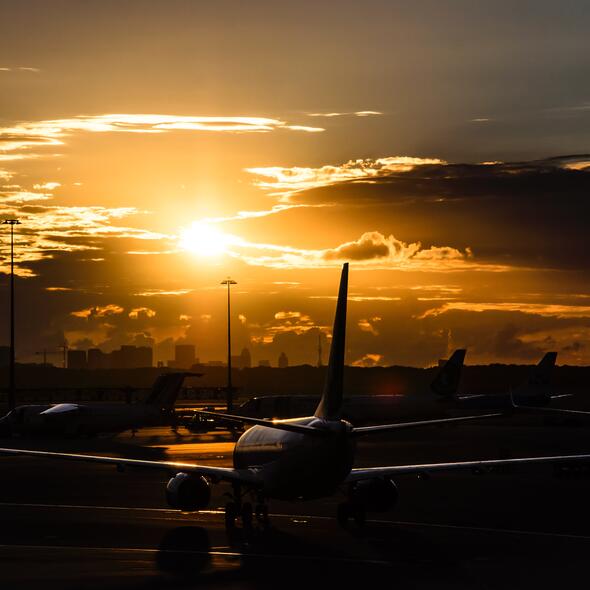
pixel 76 359
pixel 97 359
pixel 131 357
pixel 283 361
pixel 184 356
pixel 245 359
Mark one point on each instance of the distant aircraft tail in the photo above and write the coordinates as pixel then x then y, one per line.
pixel 446 382
pixel 166 388
pixel 331 401
pixel 541 374
pixel 539 380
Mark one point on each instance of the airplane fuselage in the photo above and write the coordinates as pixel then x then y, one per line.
pixel 296 466
pixel 81 420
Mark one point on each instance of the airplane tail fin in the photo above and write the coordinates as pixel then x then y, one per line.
pixel 166 388
pixel 541 374
pixel 331 401
pixel 536 389
pixel 447 379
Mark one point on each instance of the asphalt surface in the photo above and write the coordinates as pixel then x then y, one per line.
pixel 72 525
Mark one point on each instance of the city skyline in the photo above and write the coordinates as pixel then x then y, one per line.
pixel 443 150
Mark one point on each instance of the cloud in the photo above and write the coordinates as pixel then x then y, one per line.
pixel 163 292
pixel 52 132
pixel 358 298
pixel 368 325
pixel 354 114
pixel 510 213
pixel 285 181
pixel 98 311
pixel 49 230
pixel 47 186
pixel 138 312
pixel 368 360
pixel 290 322
pixel 372 250
pixel 240 215
pixel 542 309
pixel 432 177
pixel 289 315
pixel 20 69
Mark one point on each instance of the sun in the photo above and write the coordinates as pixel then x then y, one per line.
pixel 203 239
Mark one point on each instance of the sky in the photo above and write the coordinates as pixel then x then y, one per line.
pixel 153 148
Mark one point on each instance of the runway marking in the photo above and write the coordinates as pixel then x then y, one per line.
pixel 211 553
pixel 302 518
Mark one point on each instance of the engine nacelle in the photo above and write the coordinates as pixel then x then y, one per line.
pixel 188 492
pixel 374 495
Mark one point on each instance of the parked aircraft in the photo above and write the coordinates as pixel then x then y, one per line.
pixel 367 409
pixel 92 419
pixel 535 391
pixel 359 410
pixel 300 459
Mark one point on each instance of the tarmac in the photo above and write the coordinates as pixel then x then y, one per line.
pixel 74 525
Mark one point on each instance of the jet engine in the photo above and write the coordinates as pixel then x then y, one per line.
pixel 188 492
pixel 374 495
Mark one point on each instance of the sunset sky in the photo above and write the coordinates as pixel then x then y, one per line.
pixel 153 148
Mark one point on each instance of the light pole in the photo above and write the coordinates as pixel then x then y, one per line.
pixel 229 396
pixel 11 388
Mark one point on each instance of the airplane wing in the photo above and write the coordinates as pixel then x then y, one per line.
pixel 474 466
pixel 545 410
pixel 419 424
pixel 558 411
pixel 278 424
pixel 247 476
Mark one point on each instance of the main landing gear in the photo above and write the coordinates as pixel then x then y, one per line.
pixel 236 509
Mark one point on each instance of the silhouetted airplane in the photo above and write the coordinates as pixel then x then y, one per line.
pixel 359 410
pixel 535 391
pixel 300 459
pixel 92 419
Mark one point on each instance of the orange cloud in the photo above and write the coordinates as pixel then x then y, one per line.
pixel 98 311
pixel 285 181
pixel 550 310
pixel 137 312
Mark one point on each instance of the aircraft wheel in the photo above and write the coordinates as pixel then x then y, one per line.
pixel 230 515
pixel 247 516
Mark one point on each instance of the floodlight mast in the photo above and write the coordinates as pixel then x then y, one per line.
pixel 11 380
pixel 229 394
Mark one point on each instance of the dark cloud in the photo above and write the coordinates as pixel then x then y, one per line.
pixel 520 213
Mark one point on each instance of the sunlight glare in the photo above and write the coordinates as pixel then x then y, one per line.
pixel 205 240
